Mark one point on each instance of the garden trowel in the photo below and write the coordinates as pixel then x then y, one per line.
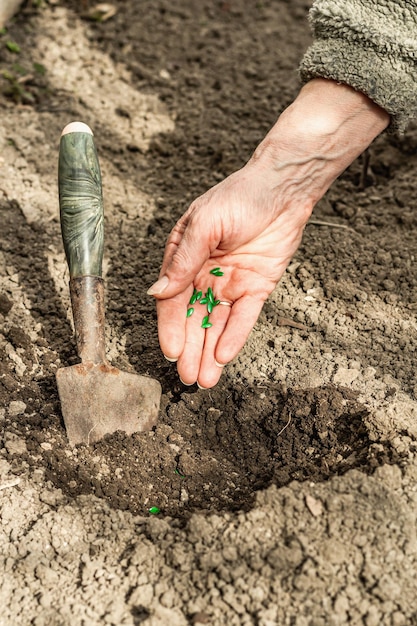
pixel 96 398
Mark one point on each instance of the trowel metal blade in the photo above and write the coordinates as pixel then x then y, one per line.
pixel 100 399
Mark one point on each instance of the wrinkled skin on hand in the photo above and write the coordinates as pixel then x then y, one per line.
pixel 251 224
pixel 242 227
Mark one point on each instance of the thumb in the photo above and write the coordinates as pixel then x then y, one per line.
pixel 187 249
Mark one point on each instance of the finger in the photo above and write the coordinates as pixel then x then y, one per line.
pixel 188 248
pixel 210 371
pixel 188 364
pixel 243 317
pixel 173 241
pixel 171 324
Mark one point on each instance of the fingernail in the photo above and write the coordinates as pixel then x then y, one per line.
pixel 219 364
pixel 171 360
pixel 158 287
pixel 186 384
pixel 200 387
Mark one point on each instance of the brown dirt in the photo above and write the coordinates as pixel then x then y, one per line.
pixel 287 492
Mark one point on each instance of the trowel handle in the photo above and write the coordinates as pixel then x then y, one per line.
pixel 81 208
pixel 87 301
pixel 81 201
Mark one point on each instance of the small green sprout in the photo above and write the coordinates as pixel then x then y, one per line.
pixel 39 68
pixel 19 69
pixel 13 46
pixel 177 471
pixel 16 89
pixel 154 510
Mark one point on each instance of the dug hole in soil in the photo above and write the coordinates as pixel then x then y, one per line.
pixel 287 493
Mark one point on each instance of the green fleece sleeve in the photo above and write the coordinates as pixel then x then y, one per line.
pixel 370 45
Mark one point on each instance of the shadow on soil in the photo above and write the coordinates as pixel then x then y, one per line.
pixel 212 450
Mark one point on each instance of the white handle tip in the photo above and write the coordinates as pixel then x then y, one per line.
pixel 76 127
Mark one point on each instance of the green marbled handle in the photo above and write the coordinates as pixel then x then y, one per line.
pixel 81 204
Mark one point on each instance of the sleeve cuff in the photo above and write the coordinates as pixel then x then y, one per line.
pixel 386 80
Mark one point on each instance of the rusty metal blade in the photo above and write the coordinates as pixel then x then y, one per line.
pixel 100 399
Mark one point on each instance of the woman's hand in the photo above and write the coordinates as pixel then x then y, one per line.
pixel 250 226
pixel 243 227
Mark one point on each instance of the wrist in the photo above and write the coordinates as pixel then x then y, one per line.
pixel 320 134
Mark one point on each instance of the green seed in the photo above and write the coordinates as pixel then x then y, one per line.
pixel 216 302
pixel 210 306
pixel 210 295
pixel 190 311
pixel 154 510
pixel 205 323
pixel 196 296
pixel 216 271
pixel 203 300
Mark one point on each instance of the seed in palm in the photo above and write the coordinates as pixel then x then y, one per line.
pixel 196 296
pixel 216 271
pixel 205 323
pixel 209 300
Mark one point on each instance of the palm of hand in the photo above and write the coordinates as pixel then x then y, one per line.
pixel 253 252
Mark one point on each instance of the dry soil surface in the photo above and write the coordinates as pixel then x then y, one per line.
pixel 288 493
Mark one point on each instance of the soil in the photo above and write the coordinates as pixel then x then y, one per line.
pixel 287 494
